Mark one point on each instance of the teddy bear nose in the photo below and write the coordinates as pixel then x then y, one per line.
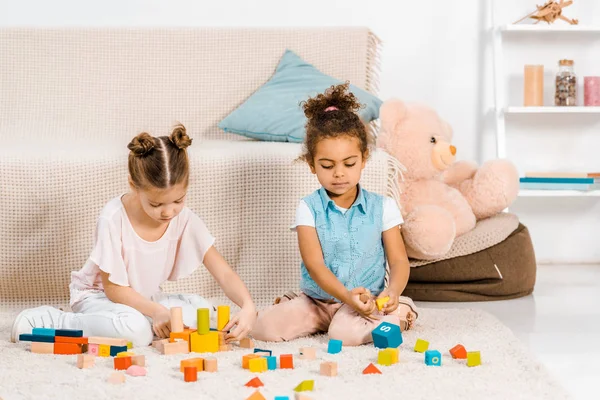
pixel 453 150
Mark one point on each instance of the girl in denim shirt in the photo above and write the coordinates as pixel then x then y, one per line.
pixel 345 234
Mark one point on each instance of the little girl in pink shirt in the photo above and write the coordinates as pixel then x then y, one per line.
pixel 144 238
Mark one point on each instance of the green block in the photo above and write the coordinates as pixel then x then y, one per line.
pixel 203 321
pixel 305 386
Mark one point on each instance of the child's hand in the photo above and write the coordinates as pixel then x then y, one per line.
pixel 360 300
pixel 243 322
pixel 392 303
pixel 161 321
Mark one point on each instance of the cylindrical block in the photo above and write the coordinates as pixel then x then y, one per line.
pixel 176 320
pixel 203 321
pixel 190 374
pixel 533 85
pixel 591 91
pixel 222 317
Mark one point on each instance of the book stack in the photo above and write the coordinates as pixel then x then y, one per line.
pixel 582 181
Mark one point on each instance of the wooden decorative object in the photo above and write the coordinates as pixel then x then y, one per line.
pixel 550 12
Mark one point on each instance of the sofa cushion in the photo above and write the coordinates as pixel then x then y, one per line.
pixel 274 113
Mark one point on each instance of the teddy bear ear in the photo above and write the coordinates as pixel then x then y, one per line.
pixel 391 112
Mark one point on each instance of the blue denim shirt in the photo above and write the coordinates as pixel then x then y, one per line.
pixel 352 243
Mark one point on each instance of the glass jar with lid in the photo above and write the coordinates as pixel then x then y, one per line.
pixel 566 84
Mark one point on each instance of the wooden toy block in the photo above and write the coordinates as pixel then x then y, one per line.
pixel 129 345
pixel 221 338
pixel 371 369
pixel 84 348
pixel 203 322
pixel 305 386
pixel 225 347
pixel 68 332
pixel 190 374
pixel 246 360
pixel 458 351
pixel 116 378
pixel 387 335
pixel 184 335
pixel 308 353
pixel 328 368
pixel 387 357
pixel 207 343
pixel 104 350
pixel 286 361
pixel 136 370
pixel 68 339
pixel 334 346
pixel 94 349
pixel 421 346
pixel 254 382
pixel 25 337
pixel 160 344
pixel 222 317
pixel 85 360
pixel 473 358
pixel 281 398
pixel 42 348
pixel 67 348
pixel 139 360
pixel 246 343
pixel 300 396
pixel 176 319
pixel 262 352
pixel 258 364
pixel 210 364
pixel 108 341
pixel 433 357
pixel 114 350
pixel 256 396
pixel 122 362
pixel 176 348
pixel 271 363
pixel 125 354
pixel 192 362
pixel 381 302
pixel 43 332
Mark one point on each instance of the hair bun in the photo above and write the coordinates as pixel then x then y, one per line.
pixel 335 98
pixel 180 138
pixel 142 144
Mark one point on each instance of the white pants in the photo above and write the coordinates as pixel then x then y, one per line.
pixel 96 315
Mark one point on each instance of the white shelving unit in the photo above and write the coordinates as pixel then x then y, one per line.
pixel 502 109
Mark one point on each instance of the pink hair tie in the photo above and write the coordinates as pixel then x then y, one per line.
pixel 331 108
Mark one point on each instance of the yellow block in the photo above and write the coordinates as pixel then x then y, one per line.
pixel 246 359
pixel 381 302
pixel 473 358
pixel 125 354
pixel 203 315
pixel 208 343
pixel 387 356
pixel 129 345
pixel 305 386
pixel 421 346
pixel 104 350
pixel 258 364
pixel 222 317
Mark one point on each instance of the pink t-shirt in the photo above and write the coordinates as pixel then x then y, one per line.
pixel 132 261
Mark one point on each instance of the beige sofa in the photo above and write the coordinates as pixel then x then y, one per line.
pixel 71 99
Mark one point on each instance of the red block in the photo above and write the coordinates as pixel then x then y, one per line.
pixel 122 362
pixel 190 374
pixel 67 348
pixel 458 351
pixel 286 361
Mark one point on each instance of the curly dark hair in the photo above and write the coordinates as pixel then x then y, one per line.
pixel 333 114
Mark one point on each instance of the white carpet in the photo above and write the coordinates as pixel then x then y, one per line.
pixel 508 370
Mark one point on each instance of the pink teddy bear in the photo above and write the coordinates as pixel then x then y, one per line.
pixel 441 199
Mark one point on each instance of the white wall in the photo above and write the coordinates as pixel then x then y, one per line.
pixel 437 52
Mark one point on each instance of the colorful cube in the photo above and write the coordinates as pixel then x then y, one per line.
pixel 381 302
pixel 334 346
pixel 271 363
pixel 433 357
pixel 421 346
pixel 246 359
pixel 473 359
pixel 458 351
pixel 94 349
pixel 308 353
pixel 286 361
pixel 122 363
pixel 388 356
pixel 104 350
pixel 114 350
pixel 258 364
pixel 387 335
pixel 328 368
pixel 207 343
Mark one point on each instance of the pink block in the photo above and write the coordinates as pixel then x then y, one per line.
pixel 591 90
pixel 93 349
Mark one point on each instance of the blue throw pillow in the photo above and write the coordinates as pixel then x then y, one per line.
pixel 273 112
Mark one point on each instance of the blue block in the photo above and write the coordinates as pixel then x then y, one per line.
pixel 44 332
pixel 334 346
pixel 36 338
pixel 69 332
pixel 114 350
pixel 282 398
pixel 387 335
pixel 271 363
pixel 263 351
pixel 433 357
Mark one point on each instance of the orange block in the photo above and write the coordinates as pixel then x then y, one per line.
pixel 254 382
pixel 458 351
pixel 286 361
pixel 67 348
pixel 256 396
pixel 192 362
pixel 122 362
pixel 246 360
pixel 371 369
pixel 190 374
pixel 185 335
pixel 65 339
